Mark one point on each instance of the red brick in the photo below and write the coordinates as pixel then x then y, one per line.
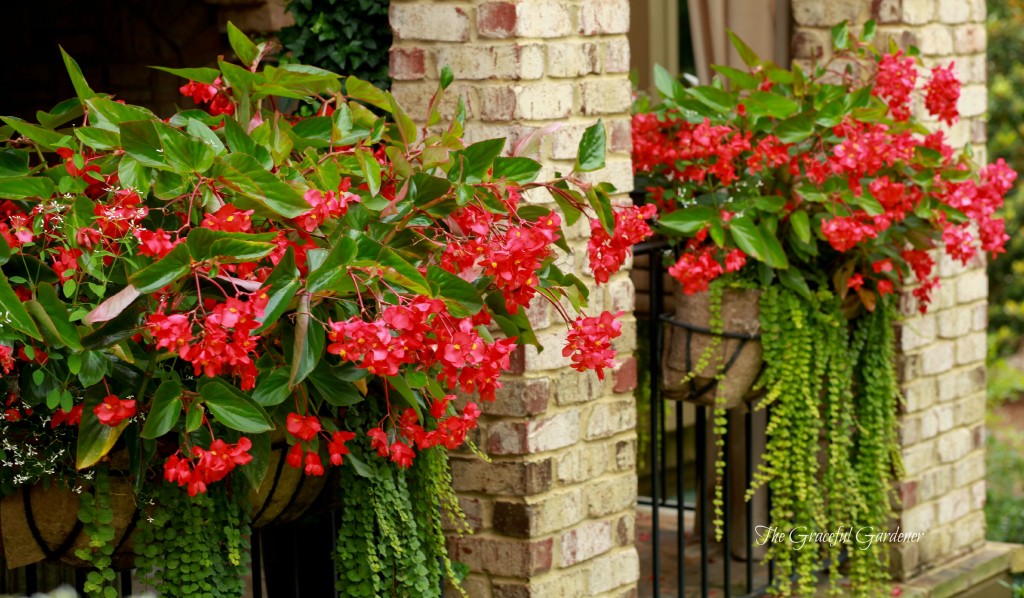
pixel 908 494
pixel 496 19
pixel 625 376
pixel 517 364
pixel 503 556
pixel 408 64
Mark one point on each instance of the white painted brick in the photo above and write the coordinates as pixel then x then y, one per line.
pixel 955 322
pixel 544 100
pixel 586 542
pixel 616 56
pixel 954 11
pixel 953 505
pixel 543 19
pixel 935 40
pixel 973 101
pixel 613 571
pixel 917 332
pixel 571 59
pixel 971 348
pixel 605 96
pixel 433 22
pixel 954 445
pixel 604 16
pixel 918 12
pixel 937 358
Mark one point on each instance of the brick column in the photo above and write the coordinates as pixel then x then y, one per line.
pixel 554 513
pixel 942 354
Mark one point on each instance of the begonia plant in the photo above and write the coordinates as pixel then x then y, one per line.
pixel 182 289
pixel 823 193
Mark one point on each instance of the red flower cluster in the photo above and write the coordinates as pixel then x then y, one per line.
pixel 608 252
pixel 202 93
pixel 326 206
pixel 942 93
pixel 450 432
pixel 112 411
pixel 225 343
pixel 894 81
pixel 688 152
pixel 206 466
pixel 702 262
pixel 589 342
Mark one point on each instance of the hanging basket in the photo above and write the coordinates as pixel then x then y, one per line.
pixel 688 337
pixel 40 523
pixel 286 492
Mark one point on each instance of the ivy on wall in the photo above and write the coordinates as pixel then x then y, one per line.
pixel 351 37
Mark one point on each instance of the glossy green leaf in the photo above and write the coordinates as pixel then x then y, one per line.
pixel 201 75
pixel 82 89
pixel 360 90
pixel 461 298
pixel 244 48
pixel 471 164
pixel 51 315
pixel 307 347
pixel 591 152
pixel 247 177
pixel 272 389
pixel 233 408
pixel 765 103
pixel 517 170
pixel 687 221
pixel 740 79
pixel 719 100
pixel 229 247
pixel 107 113
pixel 95 439
pixel 774 254
pixel 24 187
pixel 13 312
pixel 795 129
pixel 801 225
pixel 371 170
pixel 45 138
pixel 99 139
pixel 334 268
pixel 747 237
pixel 165 410
pixel 174 265
pixel 748 56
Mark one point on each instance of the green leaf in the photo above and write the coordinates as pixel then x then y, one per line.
pixel 841 35
pixel 233 408
pixel 602 205
pixel 256 470
pixel 687 221
pixel 108 114
pixel 243 174
pixel 471 164
pixel 794 280
pixel 371 170
pixel 358 89
pixel 307 344
pixel 774 254
pixel 740 79
pixel 272 389
pixel 771 104
pixel 45 138
pixel 446 76
pixel 194 417
pixel 94 368
pixel 14 313
pixel 517 170
pixel 94 438
pixel 870 28
pixel 161 146
pixel 228 247
pixel 174 265
pixel 199 129
pixel 747 237
pixel 770 203
pixel 201 75
pixel 396 268
pixel 24 187
pixel 590 153
pixel 461 298
pixel 97 138
pixel 795 129
pixel 337 391
pixel 13 163
pixel 52 316
pixel 748 56
pixel 801 225
pixel 165 410
pixel 334 268
pixel 424 188
pixel 406 126
pixel 134 175
pixel 719 100
pixel 82 89
pixel 242 45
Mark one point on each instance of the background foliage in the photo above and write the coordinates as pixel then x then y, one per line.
pixel 1005 130
pixel 342 36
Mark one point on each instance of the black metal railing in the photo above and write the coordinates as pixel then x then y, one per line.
pixel 755 577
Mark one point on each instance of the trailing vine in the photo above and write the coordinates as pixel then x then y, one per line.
pixel 391 541
pixel 195 546
pixel 832 396
pixel 97 517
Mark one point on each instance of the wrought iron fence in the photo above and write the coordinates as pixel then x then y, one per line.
pixel 667 489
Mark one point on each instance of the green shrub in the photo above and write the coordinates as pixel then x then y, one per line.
pixel 342 36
